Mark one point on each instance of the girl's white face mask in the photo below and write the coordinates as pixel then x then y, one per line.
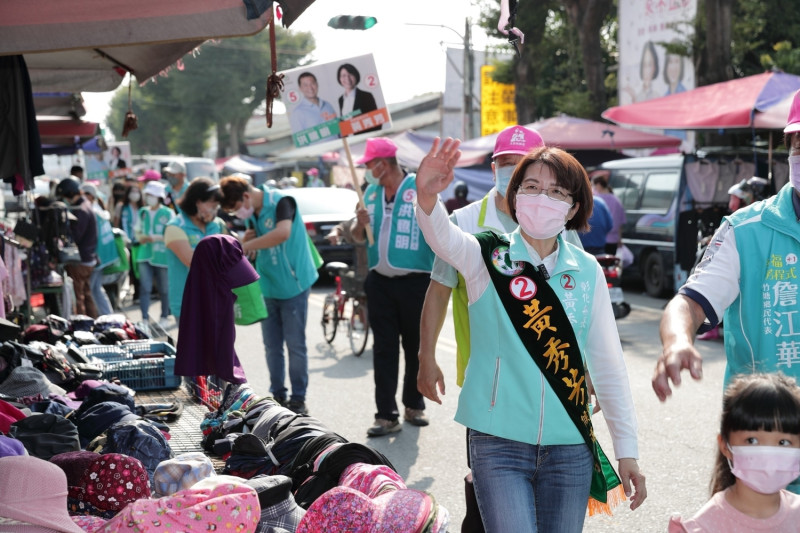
pixel 765 469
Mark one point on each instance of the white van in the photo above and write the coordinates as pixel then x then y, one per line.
pixel 672 200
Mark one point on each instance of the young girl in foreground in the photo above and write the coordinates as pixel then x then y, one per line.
pixel 759 456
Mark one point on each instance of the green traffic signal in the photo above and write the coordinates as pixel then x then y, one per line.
pixel 352 22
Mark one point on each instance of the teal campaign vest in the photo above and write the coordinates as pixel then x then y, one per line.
pixel 107 253
pixel 504 392
pixel 407 247
pixel 177 272
pixel 154 223
pixel 287 269
pixel 762 326
pixel 544 328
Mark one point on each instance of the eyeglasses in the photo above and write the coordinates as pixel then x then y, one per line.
pixel 554 193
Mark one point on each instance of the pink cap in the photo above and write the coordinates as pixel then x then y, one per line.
pixel 150 175
pixel 378 147
pixel 314 171
pixel 517 140
pixel 793 123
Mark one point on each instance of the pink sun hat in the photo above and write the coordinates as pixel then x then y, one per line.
pixel 378 147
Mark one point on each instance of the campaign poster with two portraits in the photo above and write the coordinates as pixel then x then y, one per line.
pixel 334 100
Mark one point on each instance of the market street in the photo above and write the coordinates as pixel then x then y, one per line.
pixel 676 439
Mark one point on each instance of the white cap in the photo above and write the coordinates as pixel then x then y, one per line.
pixel 156 188
pixel 175 167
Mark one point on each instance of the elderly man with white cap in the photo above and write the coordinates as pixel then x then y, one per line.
pixel 152 256
pixel 749 273
pixel 175 172
pixel 399 269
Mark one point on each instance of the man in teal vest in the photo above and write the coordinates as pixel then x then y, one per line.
pixel 400 265
pixel 287 272
pixel 750 273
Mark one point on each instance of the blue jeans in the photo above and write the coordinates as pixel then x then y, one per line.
pixel 530 489
pixel 286 323
pixel 146 274
pixel 99 295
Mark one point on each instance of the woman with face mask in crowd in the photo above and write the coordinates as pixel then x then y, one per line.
pixel 126 217
pixel 152 256
pixel 540 317
pixel 197 219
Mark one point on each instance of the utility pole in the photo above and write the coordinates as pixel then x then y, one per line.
pixel 469 79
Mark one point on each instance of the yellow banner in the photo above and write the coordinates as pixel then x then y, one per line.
pixel 498 110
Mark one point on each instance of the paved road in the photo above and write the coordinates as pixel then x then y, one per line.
pixel 676 438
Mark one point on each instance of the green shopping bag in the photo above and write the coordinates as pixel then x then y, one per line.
pixel 134 260
pixel 124 263
pixel 314 253
pixel 249 306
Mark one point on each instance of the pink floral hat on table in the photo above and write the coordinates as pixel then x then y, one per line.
pixel 394 511
pixel 220 503
pixel 372 480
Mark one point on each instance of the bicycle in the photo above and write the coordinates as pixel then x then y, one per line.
pixel 334 309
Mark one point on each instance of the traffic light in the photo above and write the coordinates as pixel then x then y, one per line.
pixel 350 22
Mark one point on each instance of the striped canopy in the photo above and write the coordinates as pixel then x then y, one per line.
pixel 760 101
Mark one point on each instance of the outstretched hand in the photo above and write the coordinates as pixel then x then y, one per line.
pixel 436 171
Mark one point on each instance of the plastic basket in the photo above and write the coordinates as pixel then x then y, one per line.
pixel 147 346
pixel 104 352
pixel 150 373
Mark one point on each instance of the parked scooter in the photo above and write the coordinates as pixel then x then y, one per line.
pixel 612 268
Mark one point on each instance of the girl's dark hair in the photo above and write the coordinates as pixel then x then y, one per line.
pixel 199 190
pixel 766 402
pixel 569 174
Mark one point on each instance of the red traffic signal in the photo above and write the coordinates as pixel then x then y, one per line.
pixel 351 22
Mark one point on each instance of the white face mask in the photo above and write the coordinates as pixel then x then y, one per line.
pixel 134 196
pixel 794 171
pixel 370 178
pixel 152 201
pixel 765 469
pixel 541 217
pixel 503 175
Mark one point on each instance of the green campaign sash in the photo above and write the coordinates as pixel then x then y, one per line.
pixel 544 328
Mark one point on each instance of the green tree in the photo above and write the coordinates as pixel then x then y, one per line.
pixel 550 75
pixel 219 86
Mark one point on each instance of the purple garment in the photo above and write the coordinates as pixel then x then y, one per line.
pixel 617 216
pixel 207 331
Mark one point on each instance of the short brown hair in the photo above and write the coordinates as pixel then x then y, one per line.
pixel 569 174
pixel 233 189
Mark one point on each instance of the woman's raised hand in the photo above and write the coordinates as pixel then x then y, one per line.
pixel 436 171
